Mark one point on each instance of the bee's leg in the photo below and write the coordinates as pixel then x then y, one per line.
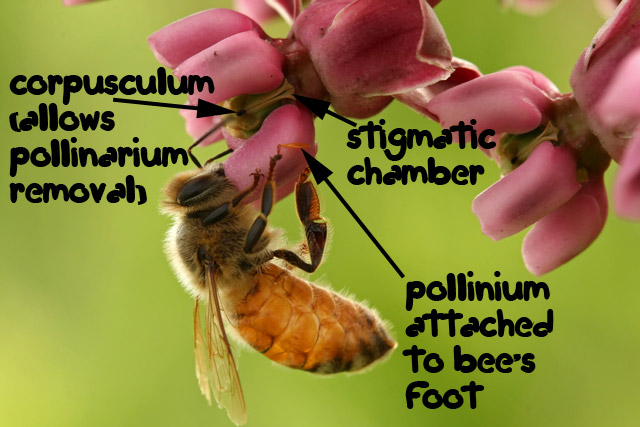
pixel 302 250
pixel 199 141
pixel 268 199
pixel 191 155
pixel 304 190
pixel 221 211
pixel 218 156
pixel 315 227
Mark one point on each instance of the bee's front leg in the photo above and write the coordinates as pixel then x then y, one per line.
pixel 268 200
pixel 223 210
pixel 315 227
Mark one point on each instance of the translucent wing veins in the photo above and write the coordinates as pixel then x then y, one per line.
pixel 215 368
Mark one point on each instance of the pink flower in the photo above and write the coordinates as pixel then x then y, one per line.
pixel 617 38
pixel 619 109
pixel 184 38
pixel 564 198
pixel 522 105
pixel 552 163
pixel 249 78
pixel 543 183
pixel 626 191
pixel 357 54
pixel 288 124
pixel 241 64
pixel 606 82
pixel 418 98
pixel 364 51
pixel 568 230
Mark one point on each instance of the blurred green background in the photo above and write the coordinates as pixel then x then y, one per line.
pixel 95 330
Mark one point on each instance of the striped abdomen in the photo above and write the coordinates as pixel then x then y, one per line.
pixel 303 326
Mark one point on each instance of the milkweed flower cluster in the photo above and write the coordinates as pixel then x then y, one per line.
pixel 552 171
pixel 366 51
pixel 250 78
pixel 552 148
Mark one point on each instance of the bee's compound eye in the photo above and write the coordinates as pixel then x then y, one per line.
pixel 195 187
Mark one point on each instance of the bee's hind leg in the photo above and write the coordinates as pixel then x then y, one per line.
pixel 308 208
pixel 315 227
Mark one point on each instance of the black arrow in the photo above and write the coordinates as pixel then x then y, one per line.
pixel 321 173
pixel 320 108
pixel 204 108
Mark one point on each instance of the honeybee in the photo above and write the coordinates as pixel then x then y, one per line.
pixel 222 252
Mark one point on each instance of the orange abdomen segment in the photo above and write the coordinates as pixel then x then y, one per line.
pixel 304 326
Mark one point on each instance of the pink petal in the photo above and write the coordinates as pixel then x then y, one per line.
pixel 240 64
pixel 300 71
pixel 433 48
pixel 374 48
pixel 313 23
pixel 288 124
pixel 545 181
pixel 595 69
pixel 620 104
pixel 506 101
pixel 359 107
pixel 626 190
pixel 567 231
pixel 182 39
pixel 233 142
pixel 196 127
pixel 613 39
pixel 539 80
pixel 418 98
pixel 260 10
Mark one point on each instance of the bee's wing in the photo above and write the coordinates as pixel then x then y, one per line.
pixel 215 367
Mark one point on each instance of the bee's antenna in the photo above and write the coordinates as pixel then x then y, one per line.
pixel 219 156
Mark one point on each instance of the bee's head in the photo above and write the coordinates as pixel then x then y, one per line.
pixel 198 189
